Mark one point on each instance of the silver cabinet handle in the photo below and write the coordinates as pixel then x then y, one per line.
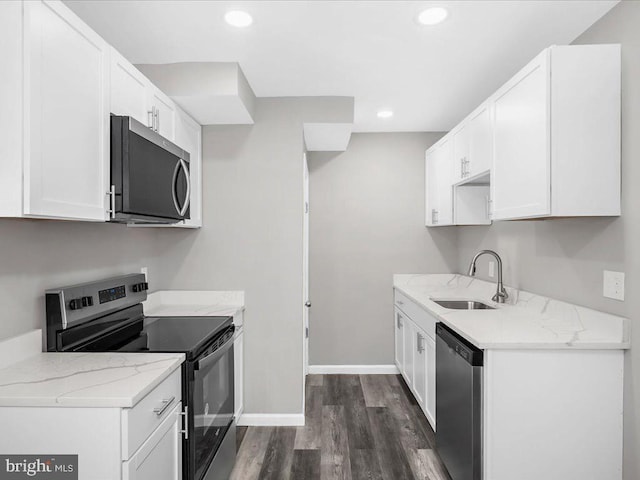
pixel 399 321
pixel 112 201
pixel 150 117
pixel 185 425
pixel 419 343
pixel 165 404
pixel 436 214
pixel 157 119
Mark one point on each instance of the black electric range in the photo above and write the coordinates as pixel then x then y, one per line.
pixel 108 316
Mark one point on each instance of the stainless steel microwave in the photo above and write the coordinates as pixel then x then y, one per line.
pixel 149 175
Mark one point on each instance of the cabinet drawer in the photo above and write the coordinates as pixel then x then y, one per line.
pixel 139 422
pixel 417 314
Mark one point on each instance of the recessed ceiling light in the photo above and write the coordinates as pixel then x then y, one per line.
pixel 238 18
pixel 433 15
pixel 385 114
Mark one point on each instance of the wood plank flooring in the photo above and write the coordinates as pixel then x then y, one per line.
pixel 357 427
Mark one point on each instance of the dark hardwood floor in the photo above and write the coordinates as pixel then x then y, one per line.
pixel 357 427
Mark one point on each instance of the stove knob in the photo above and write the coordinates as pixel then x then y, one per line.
pixel 140 287
pixel 87 301
pixel 75 304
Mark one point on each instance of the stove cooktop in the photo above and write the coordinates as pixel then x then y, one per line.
pixel 182 334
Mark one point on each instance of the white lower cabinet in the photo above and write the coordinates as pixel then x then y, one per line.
pixel 415 352
pixel 161 455
pixel 419 366
pixel 238 378
pixel 399 339
pixel 112 443
pixel 407 368
pixel 430 398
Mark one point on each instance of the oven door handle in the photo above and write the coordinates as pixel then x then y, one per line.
pixel 215 355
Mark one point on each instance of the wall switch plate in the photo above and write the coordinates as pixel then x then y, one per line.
pixel 145 271
pixel 613 285
pixel 492 269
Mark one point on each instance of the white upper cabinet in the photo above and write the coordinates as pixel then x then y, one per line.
pixel 480 142
pixel 59 167
pixel 547 143
pixel 163 112
pixel 134 95
pixel 61 81
pixel 557 136
pixel 129 90
pixel 439 171
pixel 521 164
pixel 473 145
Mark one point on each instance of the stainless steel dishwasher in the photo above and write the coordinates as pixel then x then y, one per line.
pixel 458 404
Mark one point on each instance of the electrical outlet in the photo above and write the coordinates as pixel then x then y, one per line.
pixel 145 271
pixel 492 269
pixel 613 285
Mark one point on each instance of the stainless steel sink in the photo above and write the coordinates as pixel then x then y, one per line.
pixel 463 305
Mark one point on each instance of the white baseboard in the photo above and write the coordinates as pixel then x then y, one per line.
pixel 354 369
pixel 271 420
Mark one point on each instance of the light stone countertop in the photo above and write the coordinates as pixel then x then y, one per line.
pixel 84 379
pixel 527 321
pixel 184 303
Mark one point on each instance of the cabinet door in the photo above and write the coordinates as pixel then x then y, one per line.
pixel 128 89
pixel 439 181
pixel 444 170
pixel 431 187
pixel 160 456
pixel 238 379
pixel 521 170
pixel 66 167
pixel 11 93
pixel 461 153
pixel 189 137
pixel 430 399
pixel 409 333
pixel 165 113
pixel 399 339
pixel 480 142
pixel 420 367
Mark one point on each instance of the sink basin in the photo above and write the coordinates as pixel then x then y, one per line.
pixel 463 305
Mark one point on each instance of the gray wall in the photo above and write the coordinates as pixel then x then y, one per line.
pixel 565 258
pixel 252 241
pixel 40 254
pixel 367 223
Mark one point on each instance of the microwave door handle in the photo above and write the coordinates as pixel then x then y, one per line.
pixel 187 199
pixel 174 186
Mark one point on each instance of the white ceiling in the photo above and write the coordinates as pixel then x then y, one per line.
pixel 375 51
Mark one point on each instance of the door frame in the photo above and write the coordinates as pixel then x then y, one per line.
pixel 305 264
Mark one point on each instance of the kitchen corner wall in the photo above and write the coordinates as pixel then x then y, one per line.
pixel 367 223
pixel 252 241
pixel 39 254
pixel 565 258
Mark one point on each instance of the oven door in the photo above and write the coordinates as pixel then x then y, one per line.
pixel 211 407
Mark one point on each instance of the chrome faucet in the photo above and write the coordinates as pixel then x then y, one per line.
pixel 501 294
